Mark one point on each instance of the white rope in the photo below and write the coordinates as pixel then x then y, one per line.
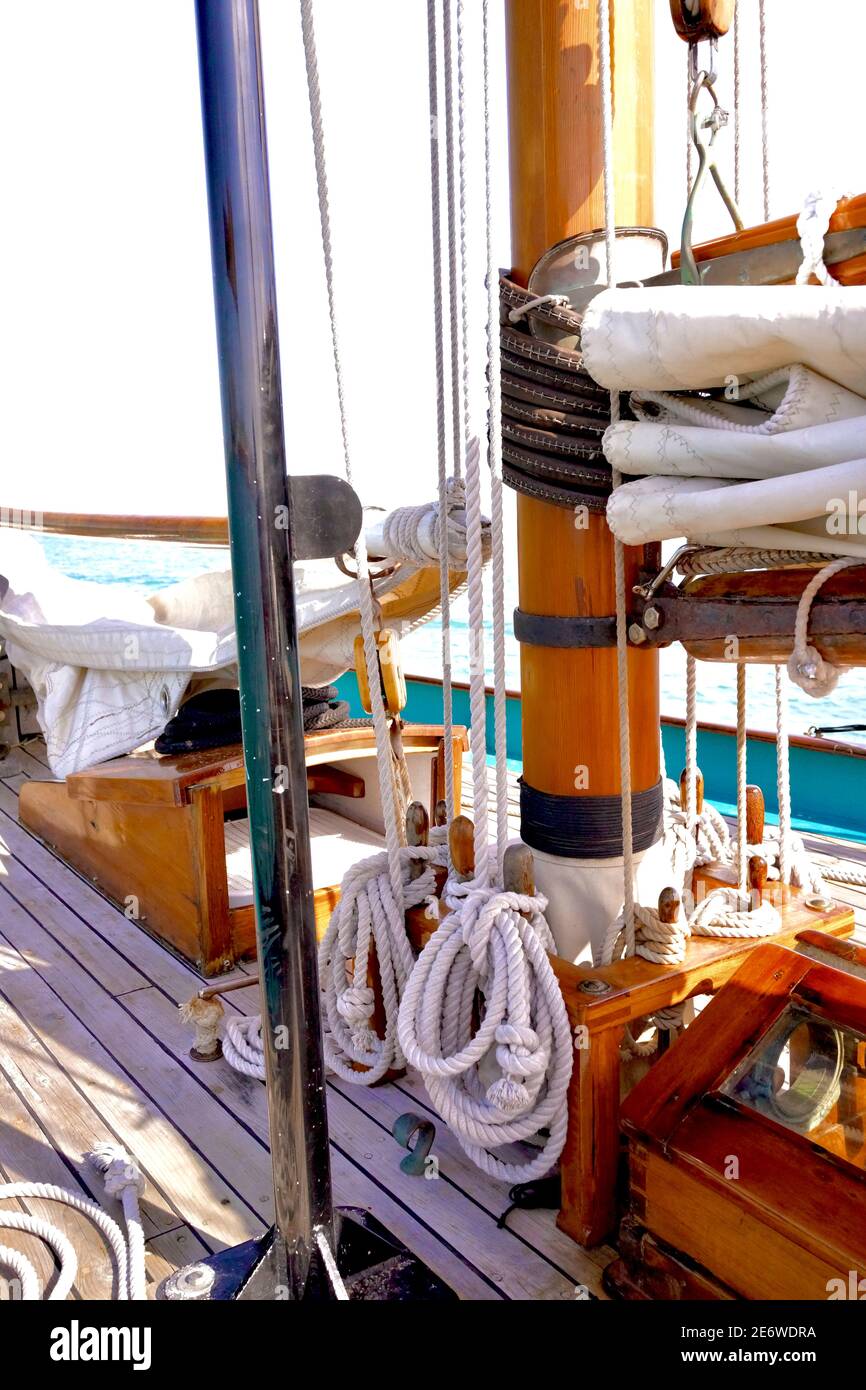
pixel 496 943
pixel 441 428
pixel 394 829
pixel 765 108
pixel 742 860
pixel 494 458
pixel 691 742
pixel 123 1180
pixel 813 224
pixel 370 917
pixel 738 93
pixel 243 1047
pixel 515 315
pixel 416 534
pixel 783 775
pixel 722 913
pixel 472 461
pixel 732 559
pixel 605 77
pixel 456 307
pixel 806 667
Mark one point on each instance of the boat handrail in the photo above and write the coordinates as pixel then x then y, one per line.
pixel 186 530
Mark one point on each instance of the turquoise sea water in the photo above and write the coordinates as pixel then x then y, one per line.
pixel 148 565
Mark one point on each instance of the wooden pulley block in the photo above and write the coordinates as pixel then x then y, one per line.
pixel 391 676
pixel 763 606
pixel 696 20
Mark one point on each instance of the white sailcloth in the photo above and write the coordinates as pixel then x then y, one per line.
pixel 780 462
pixel 110 667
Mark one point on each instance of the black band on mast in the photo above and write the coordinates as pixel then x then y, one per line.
pixel 588 827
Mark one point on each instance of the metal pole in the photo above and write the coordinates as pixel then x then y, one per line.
pixel 260 535
pixel 312 1252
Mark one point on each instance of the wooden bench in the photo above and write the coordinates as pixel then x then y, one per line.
pixel 152 832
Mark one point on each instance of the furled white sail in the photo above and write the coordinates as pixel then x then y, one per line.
pixel 110 667
pixel 780 461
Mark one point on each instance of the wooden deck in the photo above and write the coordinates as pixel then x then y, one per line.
pixel 91 1048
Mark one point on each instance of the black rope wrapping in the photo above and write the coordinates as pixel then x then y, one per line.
pixel 588 827
pixel 553 413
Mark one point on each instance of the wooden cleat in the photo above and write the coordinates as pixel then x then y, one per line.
pixel 440 813
pixel 757 880
pixel 518 870
pixel 669 905
pixel 754 815
pixel 417 833
pixel 461 842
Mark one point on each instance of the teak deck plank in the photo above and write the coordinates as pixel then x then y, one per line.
pixel 199 1194
pixel 27 1156
pixel 92 1047
pixel 107 1093
pixel 452 1214
pixel 66 1117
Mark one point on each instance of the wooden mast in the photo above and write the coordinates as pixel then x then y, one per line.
pixel 569 696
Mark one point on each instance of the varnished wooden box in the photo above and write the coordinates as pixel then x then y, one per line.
pixel 733 1192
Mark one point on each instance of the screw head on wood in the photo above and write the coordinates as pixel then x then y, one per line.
pixel 593 986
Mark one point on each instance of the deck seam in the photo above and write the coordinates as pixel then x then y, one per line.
pixel 566 1274
pixel 196 980
pixel 237 1119
pixel 170 1120
pixel 420 1221
pixel 158 1187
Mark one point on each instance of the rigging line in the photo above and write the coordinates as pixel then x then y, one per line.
pixel 453 272
pixel 765 107
pixel 689 146
pixel 691 744
pixel 783 775
pixel 494 456
pixel 441 423
pixel 474 544
pixel 393 831
pixel 737 100
pixel 604 26
pixel 742 747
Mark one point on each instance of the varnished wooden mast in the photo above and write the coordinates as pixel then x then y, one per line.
pixel 554 104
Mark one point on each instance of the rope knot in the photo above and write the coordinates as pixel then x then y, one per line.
pixel 119 1172
pixel 808 669
pixel 356 1004
pixel 521 1056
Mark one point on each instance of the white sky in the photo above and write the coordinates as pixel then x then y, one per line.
pixel 110 398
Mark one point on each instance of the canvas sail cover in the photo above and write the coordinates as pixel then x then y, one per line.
pixel 110 667
pixel 776 458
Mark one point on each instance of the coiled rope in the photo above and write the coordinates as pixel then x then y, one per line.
pixel 369 918
pixel 496 943
pixel 123 1180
